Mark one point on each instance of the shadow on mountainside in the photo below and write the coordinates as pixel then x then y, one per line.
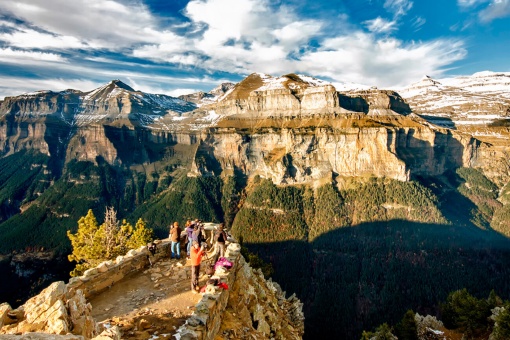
pixel 355 278
pixel 421 157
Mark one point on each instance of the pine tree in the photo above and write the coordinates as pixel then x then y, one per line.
pixel 141 235
pixel 93 244
pixel 502 329
pixel 406 329
pixel 84 244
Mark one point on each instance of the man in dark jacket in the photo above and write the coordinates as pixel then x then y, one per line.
pixel 175 237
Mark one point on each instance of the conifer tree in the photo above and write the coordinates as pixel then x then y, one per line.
pixel 93 244
pixel 84 243
pixel 141 235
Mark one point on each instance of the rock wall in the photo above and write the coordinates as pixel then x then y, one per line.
pixel 291 156
pixel 250 308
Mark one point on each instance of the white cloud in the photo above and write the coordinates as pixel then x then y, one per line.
pixel 180 92
pixel 238 36
pixel 28 38
pixel 398 7
pixel 8 55
pixel 418 22
pixel 470 3
pixel 15 86
pixel 95 23
pixel 497 9
pixel 380 25
pixel 359 58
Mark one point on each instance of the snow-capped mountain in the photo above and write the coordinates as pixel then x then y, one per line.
pixel 204 98
pixel 111 101
pixel 480 99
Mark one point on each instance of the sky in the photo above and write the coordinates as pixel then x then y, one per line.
pixel 177 47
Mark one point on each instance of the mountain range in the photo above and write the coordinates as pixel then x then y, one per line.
pixel 351 188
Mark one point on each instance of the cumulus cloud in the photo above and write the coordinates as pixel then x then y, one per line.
pixel 29 38
pixel 94 23
pixel 360 58
pixel 380 25
pixel 236 36
pixel 495 9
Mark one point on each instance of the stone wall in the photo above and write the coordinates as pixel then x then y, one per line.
pixel 260 308
pixel 62 309
pixel 106 274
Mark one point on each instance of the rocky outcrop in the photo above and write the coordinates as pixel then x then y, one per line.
pixel 260 96
pixel 202 98
pixel 480 99
pixel 290 156
pixel 251 307
pixel 56 310
pixel 112 101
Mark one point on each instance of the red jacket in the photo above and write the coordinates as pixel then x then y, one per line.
pixel 196 256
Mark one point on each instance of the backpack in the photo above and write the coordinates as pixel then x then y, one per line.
pixel 223 262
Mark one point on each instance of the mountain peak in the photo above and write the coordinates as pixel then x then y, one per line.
pixel 120 84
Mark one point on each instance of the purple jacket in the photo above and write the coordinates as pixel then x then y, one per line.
pixel 189 231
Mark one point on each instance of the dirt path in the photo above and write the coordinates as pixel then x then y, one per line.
pixel 150 304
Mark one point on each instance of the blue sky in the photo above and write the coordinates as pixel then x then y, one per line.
pixel 182 46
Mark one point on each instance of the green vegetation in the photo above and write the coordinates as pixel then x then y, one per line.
pixel 94 243
pixel 188 197
pixel 358 252
pixel 464 315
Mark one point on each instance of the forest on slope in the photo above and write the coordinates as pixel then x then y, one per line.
pixel 357 252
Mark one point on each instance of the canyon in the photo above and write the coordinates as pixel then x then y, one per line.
pixel 137 151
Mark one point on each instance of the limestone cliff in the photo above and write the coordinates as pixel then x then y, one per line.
pixel 260 96
pixel 292 129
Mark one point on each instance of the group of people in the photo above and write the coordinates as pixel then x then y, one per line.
pixel 196 246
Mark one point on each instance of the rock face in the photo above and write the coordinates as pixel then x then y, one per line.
pixel 262 308
pixel 292 129
pixel 301 155
pixel 54 311
pixel 111 101
pixel 203 98
pixel 260 96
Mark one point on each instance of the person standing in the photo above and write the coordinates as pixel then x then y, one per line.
pixel 175 237
pixel 189 232
pixel 196 258
pixel 220 236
